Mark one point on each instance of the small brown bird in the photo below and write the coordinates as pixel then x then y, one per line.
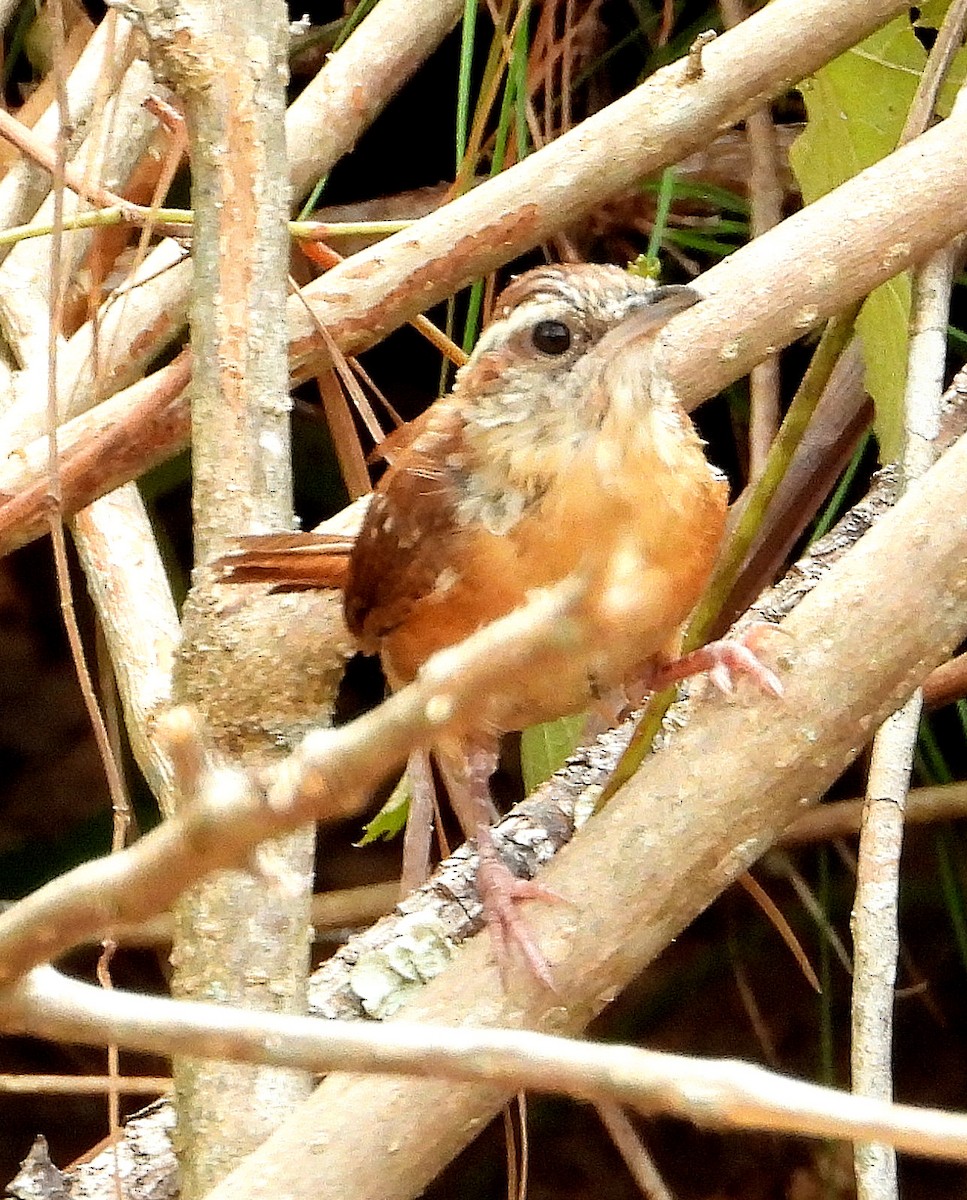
pixel 556 454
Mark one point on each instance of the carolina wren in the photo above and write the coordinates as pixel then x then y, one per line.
pixel 556 453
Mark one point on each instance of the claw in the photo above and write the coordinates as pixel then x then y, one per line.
pixel 467 769
pixel 500 893
pixel 735 659
pixel 726 662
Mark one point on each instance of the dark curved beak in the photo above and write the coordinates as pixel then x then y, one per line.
pixel 648 313
pixel 670 299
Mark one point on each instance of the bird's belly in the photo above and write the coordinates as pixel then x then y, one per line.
pixel 644 572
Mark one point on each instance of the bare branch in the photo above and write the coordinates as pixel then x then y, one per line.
pixel 661 121
pixel 100 450
pixel 875 920
pixel 331 776
pixel 640 870
pixel 647 864
pixel 730 1094
pixel 104 57
pixel 241 937
pixel 807 268
pixel 129 585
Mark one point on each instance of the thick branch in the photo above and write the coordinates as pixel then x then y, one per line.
pixel 694 817
pixel 807 268
pixel 657 124
pixel 640 870
pixel 240 938
pixel 660 122
pixel 100 450
pixel 729 1094
pixel 765 295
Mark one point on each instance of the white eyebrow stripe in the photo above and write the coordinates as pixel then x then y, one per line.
pixel 522 318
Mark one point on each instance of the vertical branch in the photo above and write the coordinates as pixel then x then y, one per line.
pixel 765 198
pixel 241 937
pixel 875 910
pixel 875 919
pixel 240 399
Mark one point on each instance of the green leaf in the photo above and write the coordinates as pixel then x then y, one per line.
pixel 932 13
pixel 391 818
pixel 953 81
pixel 883 324
pixel 856 108
pixel 543 748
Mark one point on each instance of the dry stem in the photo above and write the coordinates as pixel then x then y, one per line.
pixel 732 1094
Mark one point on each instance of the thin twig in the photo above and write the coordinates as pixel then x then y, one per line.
pixel 733 1094
pixel 58 285
pixel 843 818
pixel 639 1162
pixel 83 1085
pixel 766 195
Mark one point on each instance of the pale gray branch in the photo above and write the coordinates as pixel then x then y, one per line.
pixel 764 296
pixel 129 585
pixel 733 1095
pixel 693 818
pixel 638 873
pixel 658 123
pixel 875 918
pixel 242 938
pixel 664 119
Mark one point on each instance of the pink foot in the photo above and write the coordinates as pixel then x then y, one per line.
pixel 500 893
pixel 726 662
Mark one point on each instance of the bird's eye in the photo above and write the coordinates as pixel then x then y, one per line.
pixel 551 337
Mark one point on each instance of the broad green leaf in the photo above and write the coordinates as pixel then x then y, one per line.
pixel 543 748
pixel 391 818
pixel 883 324
pixel 856 108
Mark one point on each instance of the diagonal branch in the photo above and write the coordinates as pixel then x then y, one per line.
pixel 661 121
pixel 645 866
pixel 658 123
pixel 637 874
pixel 806 269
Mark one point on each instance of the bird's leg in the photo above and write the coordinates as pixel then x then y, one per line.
pixel 419 822
pixel 726 661
pixel 500 893
pixel 467 775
